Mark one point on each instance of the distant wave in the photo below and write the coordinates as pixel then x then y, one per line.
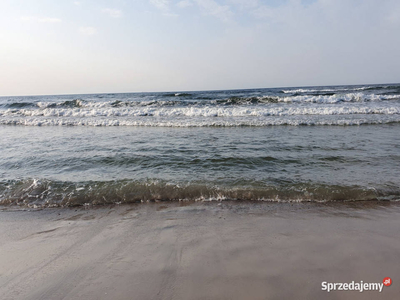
pixel 324 98
pixel 69 103
pixel 19 105
pixel 207 111
pixel 177 95
pixel 340 89
pixel 347 105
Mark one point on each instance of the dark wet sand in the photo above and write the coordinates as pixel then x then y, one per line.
pixel 199 251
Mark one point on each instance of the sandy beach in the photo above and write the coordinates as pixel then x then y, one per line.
pixel 228 250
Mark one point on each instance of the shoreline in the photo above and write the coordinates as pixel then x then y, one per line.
pixel 199 250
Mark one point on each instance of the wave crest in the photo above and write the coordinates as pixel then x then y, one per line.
pixel 47 193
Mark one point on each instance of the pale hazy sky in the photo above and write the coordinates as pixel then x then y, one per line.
pixel 87 46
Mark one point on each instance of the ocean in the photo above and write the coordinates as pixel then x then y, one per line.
pixel 314 144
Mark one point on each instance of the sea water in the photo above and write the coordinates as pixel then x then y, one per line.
pixel 339 143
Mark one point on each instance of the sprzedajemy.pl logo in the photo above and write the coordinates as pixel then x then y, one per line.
pixel 356 286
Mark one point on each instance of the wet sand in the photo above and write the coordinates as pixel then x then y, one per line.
pixel 229 250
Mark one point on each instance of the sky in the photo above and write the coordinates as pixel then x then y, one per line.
pixel 73 47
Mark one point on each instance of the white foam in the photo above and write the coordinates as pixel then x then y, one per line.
pixel 338 98
pixel 290 110
pixel 304 90
pixel 206 122
pixel 207 111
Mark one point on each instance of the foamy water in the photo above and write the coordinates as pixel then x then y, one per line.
pixel 265 107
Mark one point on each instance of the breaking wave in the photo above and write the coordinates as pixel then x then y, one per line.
pixel 265 107
pixel 47 193
pixel 340 89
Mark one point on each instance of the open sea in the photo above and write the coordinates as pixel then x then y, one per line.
pixel 334 143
